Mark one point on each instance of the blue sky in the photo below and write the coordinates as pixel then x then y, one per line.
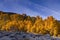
pixel 42 8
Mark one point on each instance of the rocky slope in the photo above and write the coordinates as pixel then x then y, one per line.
pixel 25 36
pixel 13 22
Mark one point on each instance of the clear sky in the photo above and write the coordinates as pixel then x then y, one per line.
pixel 42 8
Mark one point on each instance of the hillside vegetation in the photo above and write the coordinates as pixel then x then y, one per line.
pixel 21 22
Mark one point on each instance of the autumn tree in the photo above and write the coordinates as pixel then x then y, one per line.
pixel 38 25
pixel 51 25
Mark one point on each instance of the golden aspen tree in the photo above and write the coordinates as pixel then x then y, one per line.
pixel 38 23
pixel 51 25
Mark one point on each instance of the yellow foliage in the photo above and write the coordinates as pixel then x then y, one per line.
pixel 37 25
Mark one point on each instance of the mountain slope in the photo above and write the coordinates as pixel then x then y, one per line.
pixel 21 22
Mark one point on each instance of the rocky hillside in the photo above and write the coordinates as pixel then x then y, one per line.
pixel 21 22
pixel 24 36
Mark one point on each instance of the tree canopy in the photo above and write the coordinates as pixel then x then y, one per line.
pixel 22 22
